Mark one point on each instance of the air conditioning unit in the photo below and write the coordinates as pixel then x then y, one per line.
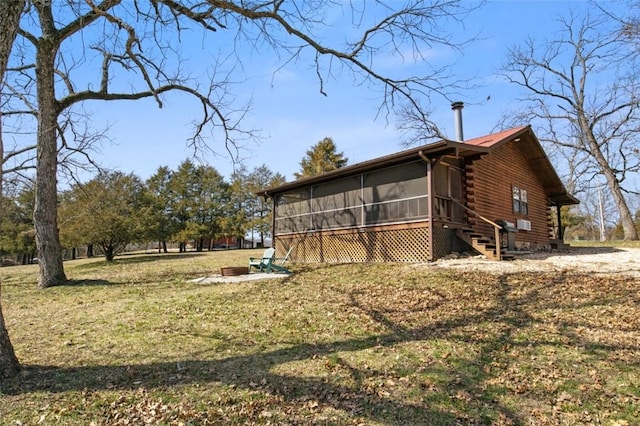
pixel 524 225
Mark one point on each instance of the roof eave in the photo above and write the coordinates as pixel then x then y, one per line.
pixel 564 199
pixel 441 147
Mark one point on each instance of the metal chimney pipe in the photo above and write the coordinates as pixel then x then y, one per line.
pixel 457 117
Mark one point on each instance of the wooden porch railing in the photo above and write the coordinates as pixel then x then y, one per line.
pixel 496 227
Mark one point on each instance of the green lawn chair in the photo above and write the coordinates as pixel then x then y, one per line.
pixel 263 264
pixel 278 263
pixel 269 263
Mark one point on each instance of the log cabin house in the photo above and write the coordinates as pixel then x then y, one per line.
pixel 494 194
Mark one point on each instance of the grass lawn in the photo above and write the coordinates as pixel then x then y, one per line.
pixel 614 243
pixel 134 342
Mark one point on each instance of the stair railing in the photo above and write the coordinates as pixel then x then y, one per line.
pixel 496 227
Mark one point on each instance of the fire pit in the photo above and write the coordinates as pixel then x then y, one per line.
pixel 229 271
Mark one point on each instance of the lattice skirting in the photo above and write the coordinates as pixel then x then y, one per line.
pixel 444 242
pixel 385 245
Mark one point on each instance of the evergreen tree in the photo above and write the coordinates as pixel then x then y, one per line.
pixel 182 193
pixel 198 203
pixel 160 226
pixel 321 158
pixel 211 206
pixel 238 220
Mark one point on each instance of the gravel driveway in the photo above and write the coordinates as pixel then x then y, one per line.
pixel 604 260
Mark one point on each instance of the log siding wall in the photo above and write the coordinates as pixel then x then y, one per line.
pixel 489 192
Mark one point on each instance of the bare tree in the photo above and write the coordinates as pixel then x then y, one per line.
pixel 134 43
pixel 630 24
pixel 9 20
pixel 582 91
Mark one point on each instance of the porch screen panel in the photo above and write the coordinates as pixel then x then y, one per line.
pixel 441 180
pixel 457 212
pixel 293 212
pixel 337 204
pixel 396 194
pixel 447 184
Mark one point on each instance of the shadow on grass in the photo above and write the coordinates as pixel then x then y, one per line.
pixel 134 259
pixel 466 380
pixel 82 283
pixel 251 372
pixel 254 372
pixel 170 255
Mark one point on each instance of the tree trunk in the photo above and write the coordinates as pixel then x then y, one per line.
pixel 9 365
pixel 626 219
pixel 46 204
pixel 108 254
pixel 9 20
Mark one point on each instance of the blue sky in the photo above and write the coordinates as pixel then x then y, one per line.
pixel 292 114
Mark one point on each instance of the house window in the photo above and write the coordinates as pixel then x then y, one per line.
pixel 520 201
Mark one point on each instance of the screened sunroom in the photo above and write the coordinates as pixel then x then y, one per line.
pixel 377 211
pixel 392 195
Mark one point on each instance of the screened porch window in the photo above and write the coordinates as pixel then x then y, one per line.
pixel 396 194
pixel 292 212
pixel 337 204
pixel 392 195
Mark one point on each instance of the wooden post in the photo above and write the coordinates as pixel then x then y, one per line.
pixel 560 235
pixel 496 232
pixel 430 210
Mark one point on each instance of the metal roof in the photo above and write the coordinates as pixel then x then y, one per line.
pixel 490 141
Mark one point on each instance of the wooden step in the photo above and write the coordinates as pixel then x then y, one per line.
pixel 484 245
pixel 481 240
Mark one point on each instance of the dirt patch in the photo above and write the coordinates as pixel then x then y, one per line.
pixel 238 278
pixel 606 260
